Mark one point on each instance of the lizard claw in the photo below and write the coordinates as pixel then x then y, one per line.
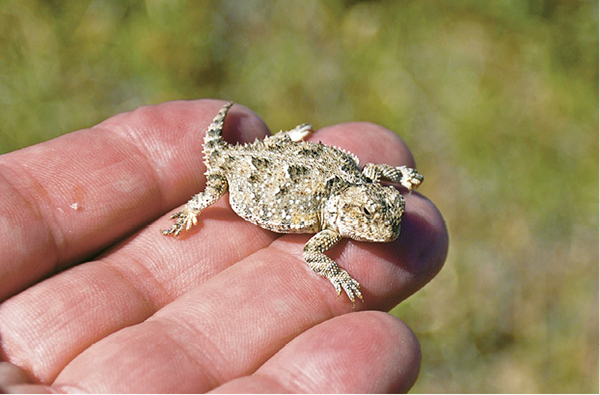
pixel 185 220
pixel 410 178
pixel 348 284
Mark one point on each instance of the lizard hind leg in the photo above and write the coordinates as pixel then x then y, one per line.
pixel 300 132
pixel 216 185
pixel 296 134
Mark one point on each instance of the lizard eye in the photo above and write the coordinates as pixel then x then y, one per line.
pixel 366 211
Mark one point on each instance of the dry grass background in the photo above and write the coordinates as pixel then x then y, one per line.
pixel 497 99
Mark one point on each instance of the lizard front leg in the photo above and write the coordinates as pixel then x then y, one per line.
pixel 326 267
pixel 216 185
pixel 405 176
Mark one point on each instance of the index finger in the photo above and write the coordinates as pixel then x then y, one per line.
pixel 64 200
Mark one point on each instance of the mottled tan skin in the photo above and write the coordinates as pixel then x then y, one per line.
pixel 288 185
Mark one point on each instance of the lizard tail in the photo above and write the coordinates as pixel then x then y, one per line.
pixel 213 140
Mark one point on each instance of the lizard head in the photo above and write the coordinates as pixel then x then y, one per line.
pixel 366 212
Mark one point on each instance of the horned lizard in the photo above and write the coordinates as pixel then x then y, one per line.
pixel 287 185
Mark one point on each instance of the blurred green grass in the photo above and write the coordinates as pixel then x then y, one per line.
pixel 498 101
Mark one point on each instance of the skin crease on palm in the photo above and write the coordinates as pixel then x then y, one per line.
pixel 95 299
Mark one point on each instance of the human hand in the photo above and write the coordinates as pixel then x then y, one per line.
pixel 227 306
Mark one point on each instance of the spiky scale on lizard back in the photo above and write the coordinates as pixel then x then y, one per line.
pixel 291 186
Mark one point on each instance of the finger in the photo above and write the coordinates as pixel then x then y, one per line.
pixel 274 290
pixel 367 352
pixel 47 325
pixel 66 198
pixel 77 307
